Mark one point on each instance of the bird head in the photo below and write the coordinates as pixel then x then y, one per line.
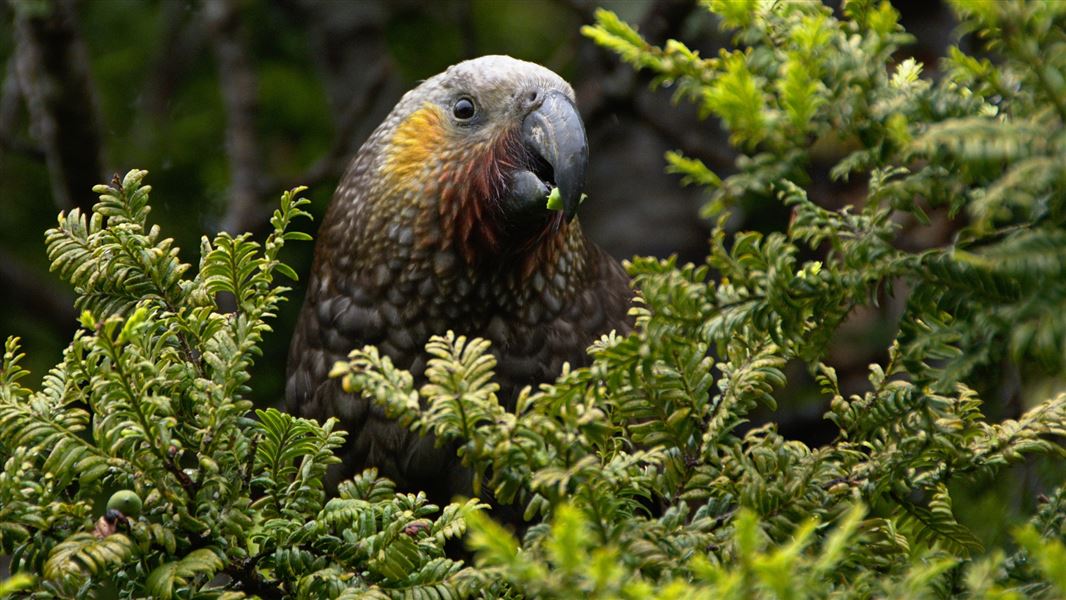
pixel 486 142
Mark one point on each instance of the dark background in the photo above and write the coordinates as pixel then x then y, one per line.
pixel 228 102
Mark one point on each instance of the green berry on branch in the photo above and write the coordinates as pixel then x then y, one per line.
pixel 126 502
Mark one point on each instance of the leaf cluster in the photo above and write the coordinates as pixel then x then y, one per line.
pixel 151 398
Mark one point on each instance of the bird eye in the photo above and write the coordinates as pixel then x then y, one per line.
pixel 464 108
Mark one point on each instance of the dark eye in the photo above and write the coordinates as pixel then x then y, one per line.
pixel 464 109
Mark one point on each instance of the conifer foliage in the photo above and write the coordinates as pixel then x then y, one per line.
pixel 139 465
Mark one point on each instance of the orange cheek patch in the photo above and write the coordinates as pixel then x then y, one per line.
pixel 415 146
pixel 456 180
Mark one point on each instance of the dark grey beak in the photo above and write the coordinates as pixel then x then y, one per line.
pixel 554 133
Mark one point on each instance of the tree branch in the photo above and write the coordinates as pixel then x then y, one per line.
pixel 237 80
pixel 53 69
pixel 183 40
pixel 10 99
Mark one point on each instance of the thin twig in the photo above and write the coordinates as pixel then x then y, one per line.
pixel 191 487
pixel 662 20
pixel 252 580
pixel 242 571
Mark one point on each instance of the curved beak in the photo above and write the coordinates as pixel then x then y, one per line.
pixel 555 134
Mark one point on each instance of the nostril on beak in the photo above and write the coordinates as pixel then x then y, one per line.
pixel 532 99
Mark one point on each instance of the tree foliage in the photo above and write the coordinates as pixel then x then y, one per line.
pixel 640 475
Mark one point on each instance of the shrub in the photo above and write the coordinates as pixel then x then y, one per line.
pixel 638 474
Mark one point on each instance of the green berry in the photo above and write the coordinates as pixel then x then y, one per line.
pixel 126 502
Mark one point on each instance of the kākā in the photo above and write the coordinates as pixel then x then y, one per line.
pixel 441 223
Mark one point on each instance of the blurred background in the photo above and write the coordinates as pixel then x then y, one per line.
pixel 229 102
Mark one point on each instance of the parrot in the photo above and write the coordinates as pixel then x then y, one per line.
pixel 441 222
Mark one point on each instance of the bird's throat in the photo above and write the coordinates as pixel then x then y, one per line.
pixel 464 191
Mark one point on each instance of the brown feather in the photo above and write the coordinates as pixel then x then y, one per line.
pixel 416 243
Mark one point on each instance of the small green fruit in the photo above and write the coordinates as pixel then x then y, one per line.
pixel 126 502
pixel 555 202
